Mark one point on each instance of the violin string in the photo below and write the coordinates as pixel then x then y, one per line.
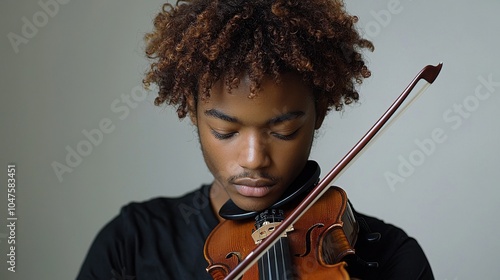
pixel 272 261
pixel 269 266
pixel 266 271
pixel 283 252
pixel 276 271
pixel 263 268
pixel 263 261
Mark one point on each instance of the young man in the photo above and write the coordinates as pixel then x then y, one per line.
pixel 256 78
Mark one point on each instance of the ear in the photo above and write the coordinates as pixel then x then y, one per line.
pixel 321 111
pixel 319 121
pixel 192 110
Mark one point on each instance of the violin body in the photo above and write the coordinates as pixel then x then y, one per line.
pixel 318 242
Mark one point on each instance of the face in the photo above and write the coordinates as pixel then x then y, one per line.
pixel 255 147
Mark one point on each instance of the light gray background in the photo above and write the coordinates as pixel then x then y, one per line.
pixel 72 73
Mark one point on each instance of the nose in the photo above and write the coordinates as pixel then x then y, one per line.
pixel 254 153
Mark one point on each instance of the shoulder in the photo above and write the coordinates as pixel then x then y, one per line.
pixel 134 237
pixel 390 251
pixel 166 209
pixel 141 216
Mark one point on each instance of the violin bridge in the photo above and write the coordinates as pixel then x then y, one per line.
pixel 266 229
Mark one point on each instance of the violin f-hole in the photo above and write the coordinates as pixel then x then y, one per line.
pixel 238 256
pixel 308 239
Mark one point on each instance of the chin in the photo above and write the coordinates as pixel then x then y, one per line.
pixel 253 205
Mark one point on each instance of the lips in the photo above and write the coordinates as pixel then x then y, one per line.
pixel 253 187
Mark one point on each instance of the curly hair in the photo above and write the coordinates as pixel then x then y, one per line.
pixel 197 43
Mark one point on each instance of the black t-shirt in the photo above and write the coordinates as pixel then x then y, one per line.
pixel 163 238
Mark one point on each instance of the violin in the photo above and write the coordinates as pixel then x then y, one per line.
pixel 297 253
pixel 309 233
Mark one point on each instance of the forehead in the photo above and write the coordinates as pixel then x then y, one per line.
pixel 272 99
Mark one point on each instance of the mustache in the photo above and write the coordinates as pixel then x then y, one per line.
pixel 253 175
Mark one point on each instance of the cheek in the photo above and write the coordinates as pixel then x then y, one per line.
pixel 216 155
pixel 208 146
pixel 286 152
pixel 292 156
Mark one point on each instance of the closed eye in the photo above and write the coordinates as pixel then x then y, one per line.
pixel 222 136
pixel 285 137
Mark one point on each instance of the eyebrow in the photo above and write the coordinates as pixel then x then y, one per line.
pixel 273 121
